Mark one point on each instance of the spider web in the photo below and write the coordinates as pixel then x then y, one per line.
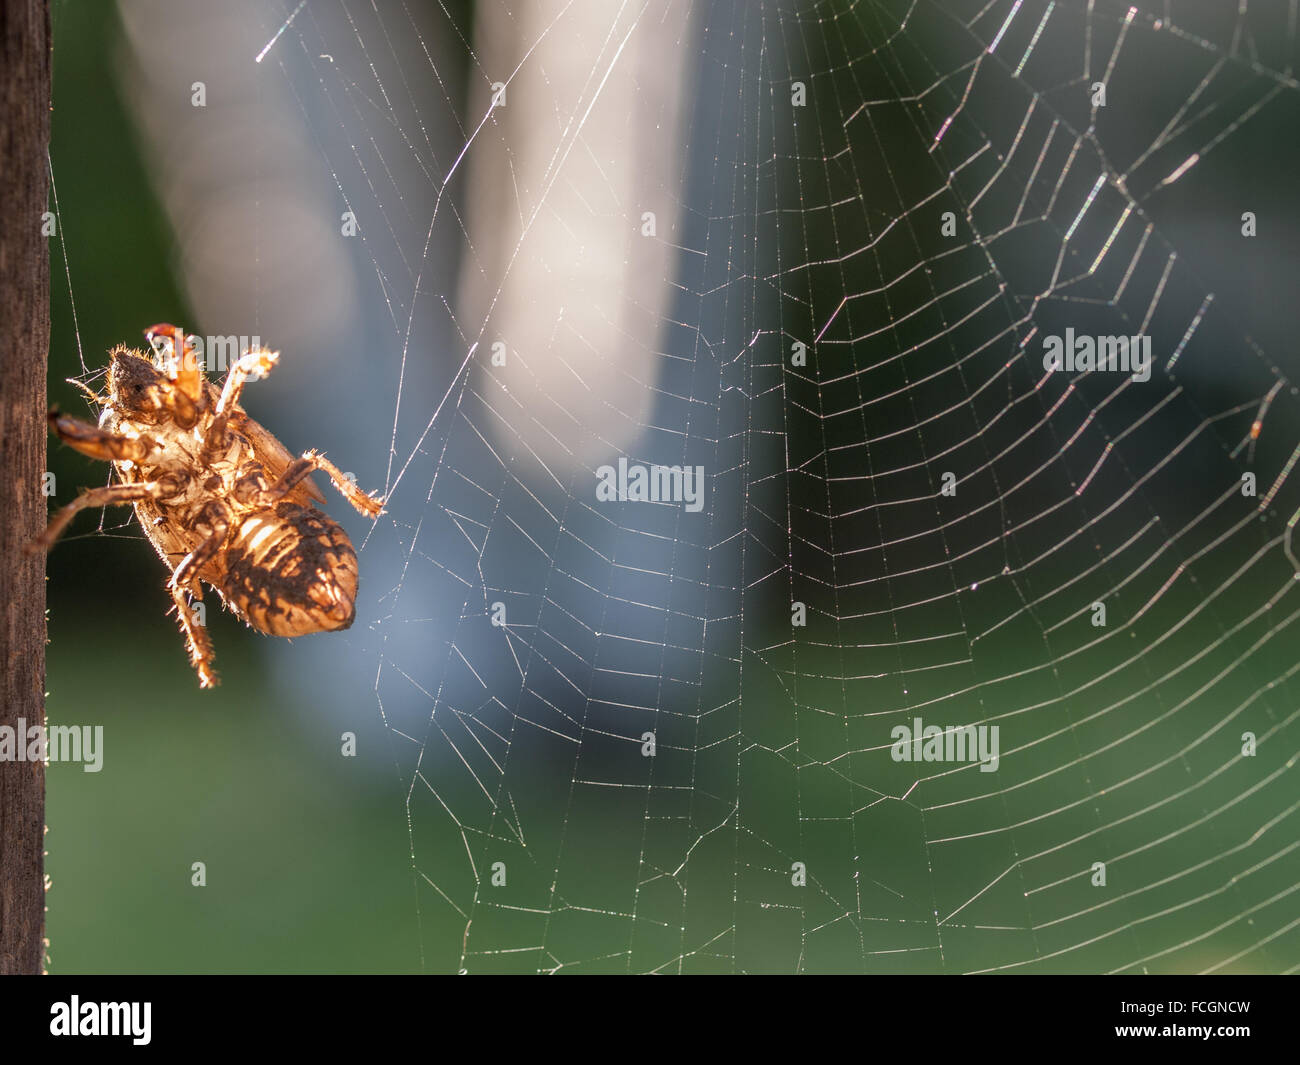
pixel 823 224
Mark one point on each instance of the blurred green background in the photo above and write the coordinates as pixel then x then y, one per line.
pixel 308 866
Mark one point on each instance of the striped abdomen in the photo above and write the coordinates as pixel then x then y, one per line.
pixel 290 570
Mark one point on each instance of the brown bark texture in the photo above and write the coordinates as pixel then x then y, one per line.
pixel 24 345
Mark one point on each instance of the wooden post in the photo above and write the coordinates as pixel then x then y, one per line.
pixel 24 344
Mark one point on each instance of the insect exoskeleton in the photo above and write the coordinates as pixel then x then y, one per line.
pixel 291 571
pixel 223 502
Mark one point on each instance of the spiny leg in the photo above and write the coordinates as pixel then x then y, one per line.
pixel 251 366
pixel 302 467
pixel 90 393
pixel 110 495
pixel 96 442
pixel 197 642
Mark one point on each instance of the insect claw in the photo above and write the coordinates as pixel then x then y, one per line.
pixel 372 506
pixel 162 338
pixel 161 329
pixel 207 675
pixel 257 364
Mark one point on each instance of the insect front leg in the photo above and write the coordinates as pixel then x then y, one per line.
pixel 214 524
pixel 302 467
pixel 110 495
pixel 96 442
pixel 184 399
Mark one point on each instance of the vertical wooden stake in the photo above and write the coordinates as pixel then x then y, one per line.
pixel 24 344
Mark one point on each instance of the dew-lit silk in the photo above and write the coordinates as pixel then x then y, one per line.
pixel 290 571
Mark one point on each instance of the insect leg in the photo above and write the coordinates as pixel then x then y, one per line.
pixel 185 398
pixel 197 642
pixel 109 495
pixel 214 524
pixel 312 460
pixel 95 442
pixel 250 366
